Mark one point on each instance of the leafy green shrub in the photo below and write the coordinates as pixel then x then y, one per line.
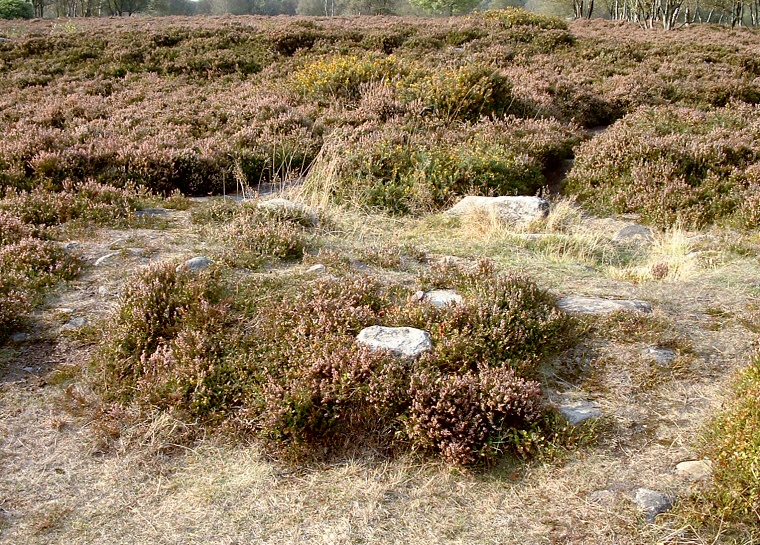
pixel 674 164
pixel 16 9
pixel 732 442
pixel 288 368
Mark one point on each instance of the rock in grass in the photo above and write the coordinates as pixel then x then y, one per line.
pixel 596 305
pixel 695 470
pixel 316 269
pixel 576 412
pixel 407 342
pixel 634 233
pixel 196 264
pixel 104 259
pixel 661 356
pixel 512 210
pixel 439 298
pixel 651 502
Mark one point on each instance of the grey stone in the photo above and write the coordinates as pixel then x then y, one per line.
pixel 651 502
pixel 407 342
pixel 75 323
pixel 596 305
pixel 661 356
pixel 579 411
pixel 603 497
pixel 19 337
pixel 28 369
pixel 196 264
pixel 695 470
pixel 70 246
pixel 103 259
pixel 634 233
pixel 513 210
pixel 316 269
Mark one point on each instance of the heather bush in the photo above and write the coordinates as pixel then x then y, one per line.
pixel 732 442
pixel 514 17
pixel 674 165
pixel 281 360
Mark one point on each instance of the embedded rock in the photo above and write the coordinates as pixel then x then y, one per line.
pixel 513 210
pixel 597 305
pixel 576 412
pixel 439 298
pixel 634 233
pixel 661 356
pixel 407 342
pixel 196 264
pixel 316 269
pixel 695 470
pixel 651 502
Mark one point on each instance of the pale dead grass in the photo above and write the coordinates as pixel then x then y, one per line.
pixel 56 486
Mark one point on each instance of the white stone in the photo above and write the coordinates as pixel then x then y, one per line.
pixel 101 260
pixel 661 356
pixel 696 470
pixel 596 305
pixel 196 264
pixel 407 342
pixel 75 323
pixel 513 210
pixel 439 298
pixel 576 412
pixel 316 269
pixel 652 503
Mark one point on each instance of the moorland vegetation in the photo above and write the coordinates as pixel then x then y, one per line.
pixel 383 116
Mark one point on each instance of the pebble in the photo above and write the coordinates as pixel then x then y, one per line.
pixel 316 269
pixel 651 502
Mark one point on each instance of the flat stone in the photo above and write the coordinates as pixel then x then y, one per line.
pixel 439 298
pixel 103 259
pixel 316 269
pixel 407 342
pixel 661 356
pixel 196 264
pixel 603 497
pixel 75 323
pixel 597 305
pixel 513 210
pixel 579 411
pixel 634 233
pixel 19 337
pixel 695 470
pixel 651 502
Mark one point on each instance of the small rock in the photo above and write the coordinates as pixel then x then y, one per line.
pixel 579 411
pixel 634 233
pixel 359 265
pixel 596 305
pixel 19 337
pixel 103 291
pixel 196 264
pixel 101 260
pixel 695 470
pixel 652 503
pixel 28 369
pixel 407 342
pixel 439 298
pixel 64 310
pixel 603 497
pixel 513 210
pixel 70 246
pixel 661 356
pixel 137 252
pixel 316 269
pixel 75 323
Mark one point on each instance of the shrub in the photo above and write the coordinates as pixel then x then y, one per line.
pixel 515 17
pixel 288 368
pixel 16 9
pixel 674 165
pixel 732 442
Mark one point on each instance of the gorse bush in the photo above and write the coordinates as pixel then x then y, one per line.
pixel 283 363
pixel 674 165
